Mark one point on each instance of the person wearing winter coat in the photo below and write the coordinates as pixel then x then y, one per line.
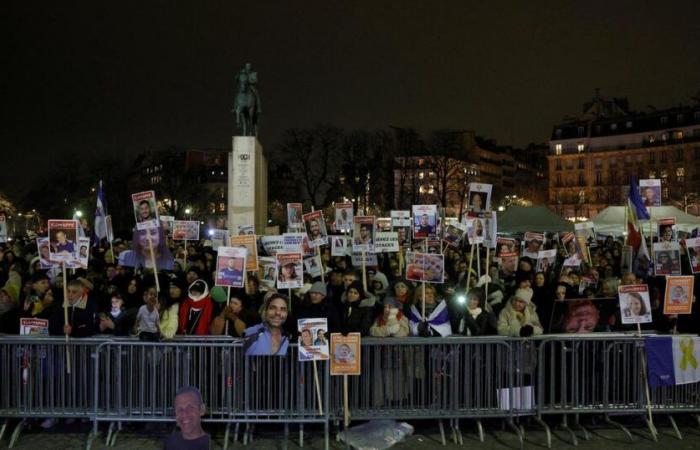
pixel 519 317
pixel 356 314
pixel 391 322
pixel 437 317
pixel 476 318
pixel 316 304
pixel 197 310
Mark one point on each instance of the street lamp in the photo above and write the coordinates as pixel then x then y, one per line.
pixel 78 214
pixel 188 211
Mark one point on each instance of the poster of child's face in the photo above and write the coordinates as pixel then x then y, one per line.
pixel 666 233
pixel 634 304
pixel 313 340
pixel 580 315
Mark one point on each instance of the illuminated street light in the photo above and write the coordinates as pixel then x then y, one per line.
pixel 78 214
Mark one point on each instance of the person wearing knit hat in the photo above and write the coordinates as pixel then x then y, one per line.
pixel 519 317
pixel 357 313
pixel 269 337
pixel 197 310
pixel 390 322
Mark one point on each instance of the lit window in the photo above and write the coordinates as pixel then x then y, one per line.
pixel 557 149
pixel 421 175
pixel 677 135
pixel 652 174
pixel 628 124
pixel 664 176
pixel 580 147
pixel 664 193
pixel 680 174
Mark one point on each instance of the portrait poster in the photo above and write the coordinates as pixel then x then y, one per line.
pixel 3 227
pixel 313 266
pixel 581 315
pixel 272 244
pixel 369 259
pixel 490 228
pixel 679 295
pixel 268 271
pixel 386 242
pixel 339 245
pixel 400 218
pixel 145 210
pixel 42 245
pixel 586 282
pixel 140 256
pixel 427 267
pixel 634 303
pixel 83 256
pixel 294 222
pixel 626 257
pixel 507 247
pixel 479 197
pixel 63 237
pixel 692 246
pixel 219 238
pixel 475 230
pixel 534 242
pixel 425 221
pixel 313 339
pixel 33 327
pixel 453 235
pixel 568 241
pixel 186 230
pixel 230 266
pixel 297 242
pixel 666 229
pixel 364 228
pixel 667 258
pixel 343 217
pixel 167 223
pixel 290 270
pixel 245 229
pixel 249 242
pixel 587 231
pixel 545 260
pixel 582 249
pixel 404 236
pixel 650 191
pixel 345 354
pixel 315 228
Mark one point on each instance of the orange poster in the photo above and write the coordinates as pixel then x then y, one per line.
pixel 345 354
pixel 679 295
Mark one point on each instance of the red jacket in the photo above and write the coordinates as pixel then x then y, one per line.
pixel 202 327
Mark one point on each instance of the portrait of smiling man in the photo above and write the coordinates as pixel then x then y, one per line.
pixel 189 409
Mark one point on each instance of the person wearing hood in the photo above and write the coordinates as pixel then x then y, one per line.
pixel 380 286
pixel 401 292
pixel 391 322
pixel 196 311
pixel 357 313
pixel 437 317
pixel 519 317
pixel 315 304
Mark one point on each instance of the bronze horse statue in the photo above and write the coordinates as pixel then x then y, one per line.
pixel 246 106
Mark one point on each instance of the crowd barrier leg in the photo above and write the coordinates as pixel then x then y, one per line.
pixel 586 434
pixel 480 430
pixel 675 427
pixel 4 428
pixel 547 431
pixel 565 426
pixel 226 435
pixel 609 421
pixel 442 432
pixel 518 431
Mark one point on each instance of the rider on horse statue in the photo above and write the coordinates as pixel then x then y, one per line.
pixel 246 107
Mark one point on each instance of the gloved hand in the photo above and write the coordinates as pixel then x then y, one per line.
pixel 424 329
pixel 526 331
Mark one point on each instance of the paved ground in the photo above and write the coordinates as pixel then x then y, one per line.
pixel 426 436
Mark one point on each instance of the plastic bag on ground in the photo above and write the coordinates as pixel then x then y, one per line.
pixel 376 435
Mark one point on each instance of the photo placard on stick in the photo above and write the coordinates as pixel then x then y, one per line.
pixel 386 242
pixel 587 231
pixel 427 267
pixel 313 339
pixel 313 266
pixel 290 270
pixel 167 223
pixel 546 260
pixel 83 256
pixel 507 247
pixel 533 244
pixel 364 228
pixel 345 354
pixel 667 258
pixel 272 244
pixel 479 197
pixel 475 230
pixel 693 248
pixel 343 216
pixel 370 259
pixel 339 245
pixel 679 295
pixel 634 303
pixel 294 222
pixel 145 210
pixel 43 247
pixel 666 231
pixel 297 242
pixel 186 230
pixel 33 327
pixel 400 218
pixel 490 228
pixel 650 191
pixel 425 221
pixel 315 228
pixel 63 239
pixel 219 238
pixel 230 266
pixel 249 242
pixel 245 229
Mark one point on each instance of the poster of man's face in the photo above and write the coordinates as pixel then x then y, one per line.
pixel 145 211
pixel 315 228
pixel 650 191
pixel 63 240
pixel 425 221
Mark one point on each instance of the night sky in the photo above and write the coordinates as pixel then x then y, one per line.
pixel 121 77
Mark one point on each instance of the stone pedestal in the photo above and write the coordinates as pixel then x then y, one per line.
pixel 247 185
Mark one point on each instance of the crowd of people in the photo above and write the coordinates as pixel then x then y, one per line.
pixel 108 298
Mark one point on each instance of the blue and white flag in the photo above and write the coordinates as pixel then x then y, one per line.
pixel 100 214
pixel 673 360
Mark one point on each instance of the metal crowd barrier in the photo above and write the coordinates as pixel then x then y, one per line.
pixel 124 380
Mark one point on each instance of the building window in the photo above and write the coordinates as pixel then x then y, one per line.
pixel 664 157
pixel 638 158
pixel 680 174
pixel 696 153
pixel 664 137
pixel 664 193
pixel 652 174
pixel 581 180
pixel 557 149
pixel 679 118
pixel 580 147
pixel 613 162
pixel 664 176
pixel 222 207
pixel 628 159
pixel 613 126
pixel 651 138
pixel 678 135
pixel 558 164
pixel 557 133
pixel 597 129
pixel 628 124
pixel 697 116
pixel 598 196
pixel 580 163
pixel 598 178
pixel 652 157
pixel 598 163
pixel 679 154
pixel 558 180
pixel 580 131
pixel 613 177
pixel 664 120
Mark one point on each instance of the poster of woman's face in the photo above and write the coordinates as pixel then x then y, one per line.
pixel 634 304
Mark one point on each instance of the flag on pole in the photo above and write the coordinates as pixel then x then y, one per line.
pixel 100 214
pixel 635 212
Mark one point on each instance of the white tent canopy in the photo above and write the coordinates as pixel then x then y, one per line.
pixel 612 219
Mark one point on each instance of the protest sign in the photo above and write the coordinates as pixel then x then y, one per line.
pixel 587 282
pixel 479 197
pixel 386 242
pixel 345 351
pixel 650 191
pixel 626 257
pixel 490 228
pixel 533 244
pixel 268 269
pixel 297 242
pixel 343 216
pixel 370 259
pixel 404 235
pixel 3 227
pixel 219 238
pixel 290 270
pixel 507 247
pixel 364 228
pixel 587 231
pixel 312 266
pixel 167 223
pixel 426 267
pixel 453 235
pixel 634 303
pixel 83 255
pixel 248 242
pixel 667 258
pixel 339 245
pixel 63 235
pixel 546 260
pixel 33 327
pixel 582 249
pixel 230 266
pixel 42 245
pixel 294 223
pixel 186 230
pixel 242 230
pixel 568 241
pixel 425 221
pixel 679 295
pixel 315 228
pixel 400 218
pixel 667 229
pixel 272 244
pixel 693 248
pixel 475 230
pixel 145 210
pixel 313 343
pixel 110 230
